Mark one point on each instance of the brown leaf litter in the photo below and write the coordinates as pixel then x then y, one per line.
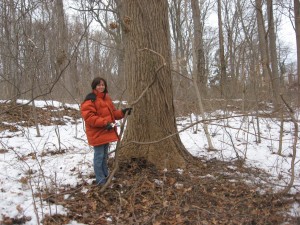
pixel 209 194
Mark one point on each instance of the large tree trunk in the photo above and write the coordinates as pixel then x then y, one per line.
pixel 153 118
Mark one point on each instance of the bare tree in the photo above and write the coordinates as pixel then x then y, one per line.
pixel 297 26
pixel 199 47
pixel 199 77
pixel 147 64
pixel 181 28
pixel 222 66
pixel 262 39
pixel 10 52
pixel 232 28
pixel 273 54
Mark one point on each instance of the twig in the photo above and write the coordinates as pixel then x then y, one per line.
pixel 292 115
pixel 173 134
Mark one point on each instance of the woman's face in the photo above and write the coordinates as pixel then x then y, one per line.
pixel 100 87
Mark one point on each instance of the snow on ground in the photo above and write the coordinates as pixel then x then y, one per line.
pixel 29 164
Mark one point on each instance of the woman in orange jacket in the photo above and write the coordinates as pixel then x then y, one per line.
pixel 100 115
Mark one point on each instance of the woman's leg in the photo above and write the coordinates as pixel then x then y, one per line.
pixel 105 158
pixel 99 152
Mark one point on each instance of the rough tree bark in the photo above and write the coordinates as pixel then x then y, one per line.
pixel 147 60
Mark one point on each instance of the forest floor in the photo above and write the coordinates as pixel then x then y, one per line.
pixel 213 192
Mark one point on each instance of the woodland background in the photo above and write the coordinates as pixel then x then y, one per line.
pixel 53 49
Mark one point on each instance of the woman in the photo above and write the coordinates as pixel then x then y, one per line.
pixel 100 115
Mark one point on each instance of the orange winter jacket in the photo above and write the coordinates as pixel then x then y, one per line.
pixel 96 114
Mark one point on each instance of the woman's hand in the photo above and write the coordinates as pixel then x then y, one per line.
pixel 109 126
pixel 126 110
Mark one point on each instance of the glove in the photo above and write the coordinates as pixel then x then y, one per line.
pixel 125 110
pixel 109 126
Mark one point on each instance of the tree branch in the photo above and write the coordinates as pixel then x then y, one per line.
pixel 292 115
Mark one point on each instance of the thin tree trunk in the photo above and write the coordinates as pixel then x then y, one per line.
pixel 273 55
pixel 177 17
pixel 297 26
pixel 61 43
pixel 201 78
pixel 295 141
pixel 199 66
pixel 262 40
pixel 223 83
pixel 279 152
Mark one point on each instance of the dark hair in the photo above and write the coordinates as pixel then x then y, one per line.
pixel 96 81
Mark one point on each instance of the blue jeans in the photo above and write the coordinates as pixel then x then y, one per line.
pixel 100 163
